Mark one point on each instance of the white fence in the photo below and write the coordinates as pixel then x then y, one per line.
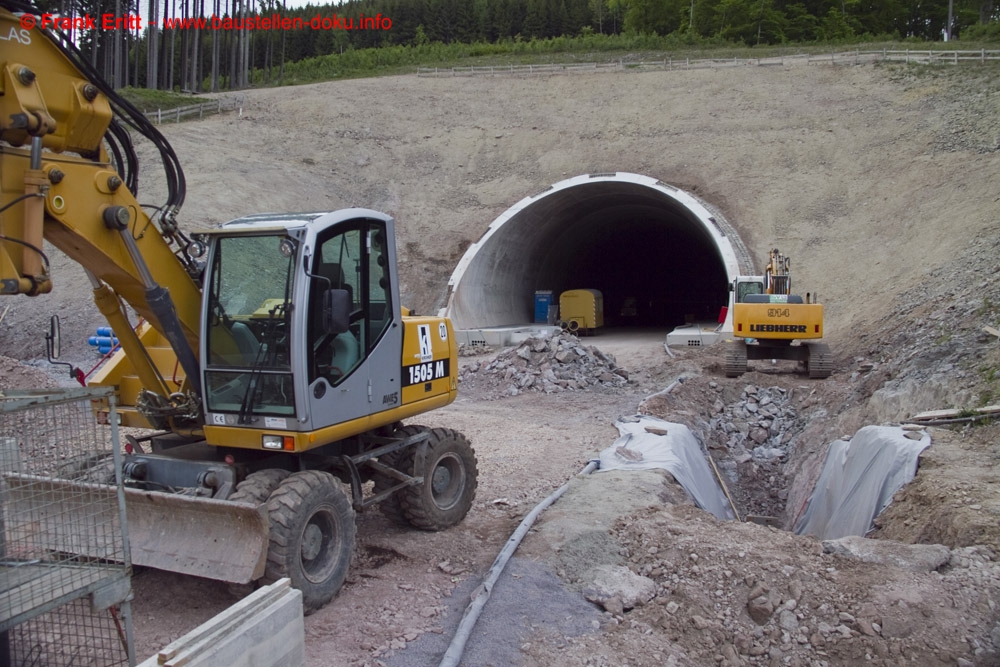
pixel 856 57
pixel 212 106
pixel 922 57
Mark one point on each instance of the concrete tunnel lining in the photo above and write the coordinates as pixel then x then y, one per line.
pixel 614 232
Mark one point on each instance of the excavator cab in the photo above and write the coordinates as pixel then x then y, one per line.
pixel 745 286
pixel 301 330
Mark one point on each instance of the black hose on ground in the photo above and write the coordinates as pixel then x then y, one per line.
pixel 453 655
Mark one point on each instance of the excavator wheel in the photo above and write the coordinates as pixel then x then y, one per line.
pixel 258 486
pixel 255 489
pixel 735 363
pixel 450 480
pixel 391 507
pixel 312 536
pixel 820 361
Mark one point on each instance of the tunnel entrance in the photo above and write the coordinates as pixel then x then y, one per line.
pixel 659 255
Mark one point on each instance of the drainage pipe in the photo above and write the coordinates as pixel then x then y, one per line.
pixel 453 655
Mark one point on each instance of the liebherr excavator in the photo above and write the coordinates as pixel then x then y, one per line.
pixel 274 361
pixel 768 319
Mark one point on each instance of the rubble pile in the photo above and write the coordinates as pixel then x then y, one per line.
pixel 759 426
pixel 751 440
pixel 549 364
pixel 739 595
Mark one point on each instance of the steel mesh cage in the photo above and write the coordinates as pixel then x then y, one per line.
pixel 64 563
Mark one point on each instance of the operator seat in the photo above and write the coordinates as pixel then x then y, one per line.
pixel 246 342
pixel 346 353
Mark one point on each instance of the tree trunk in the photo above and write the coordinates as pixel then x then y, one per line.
pixel 284 34
pixel 194 79
pixel 153 46
pixel 235 52
pixel 185 44
pixel 986 11
pixel 173 51
pixel 215 50
pixel 246 47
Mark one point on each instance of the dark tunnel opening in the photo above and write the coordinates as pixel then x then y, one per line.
pixel 657 254
pixel 650 273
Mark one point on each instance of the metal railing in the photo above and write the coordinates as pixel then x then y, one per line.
pixel 856 57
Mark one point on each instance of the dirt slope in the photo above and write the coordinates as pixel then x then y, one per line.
pixel 880 184
pixel 867 177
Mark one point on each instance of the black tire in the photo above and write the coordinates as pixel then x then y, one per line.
pixel 255 490
pixel 450 480
pixel 258 486
pixel 391 506
pixel 312 536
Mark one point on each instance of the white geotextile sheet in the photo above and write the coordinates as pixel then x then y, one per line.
pixel 678 452
pixel 858 481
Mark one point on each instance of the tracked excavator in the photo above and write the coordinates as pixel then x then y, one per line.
pixel 274 364
pixel 769 322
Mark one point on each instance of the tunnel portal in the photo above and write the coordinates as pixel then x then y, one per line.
pixel 659 255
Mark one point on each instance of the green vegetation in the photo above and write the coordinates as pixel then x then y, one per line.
pixel 989 33
pixel 743 22
pixel 150 100
pixel 588 48
pixel 265 43
pixel 990 374
pixel 988 310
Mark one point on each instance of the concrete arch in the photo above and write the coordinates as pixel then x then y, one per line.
pixel 628 235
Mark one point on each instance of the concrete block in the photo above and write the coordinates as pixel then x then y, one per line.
pixel 264 629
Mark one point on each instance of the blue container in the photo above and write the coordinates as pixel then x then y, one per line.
pixel 543 299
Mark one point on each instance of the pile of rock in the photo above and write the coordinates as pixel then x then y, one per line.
pixel 752 440
pixel 759 426
pixel 739 594
pixel 549 363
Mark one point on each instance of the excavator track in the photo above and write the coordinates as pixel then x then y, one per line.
pixel 735 363
pixel 820 362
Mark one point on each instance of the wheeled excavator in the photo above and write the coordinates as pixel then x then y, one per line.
pixel 274 363
pixel 769 322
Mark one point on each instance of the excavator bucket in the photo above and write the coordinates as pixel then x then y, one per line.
pixel 208 538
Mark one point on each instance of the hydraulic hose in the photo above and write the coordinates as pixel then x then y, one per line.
pixel 453 655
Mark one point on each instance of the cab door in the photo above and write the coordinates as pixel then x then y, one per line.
pixel 347 371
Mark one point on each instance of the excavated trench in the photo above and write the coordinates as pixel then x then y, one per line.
pixel 659 255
